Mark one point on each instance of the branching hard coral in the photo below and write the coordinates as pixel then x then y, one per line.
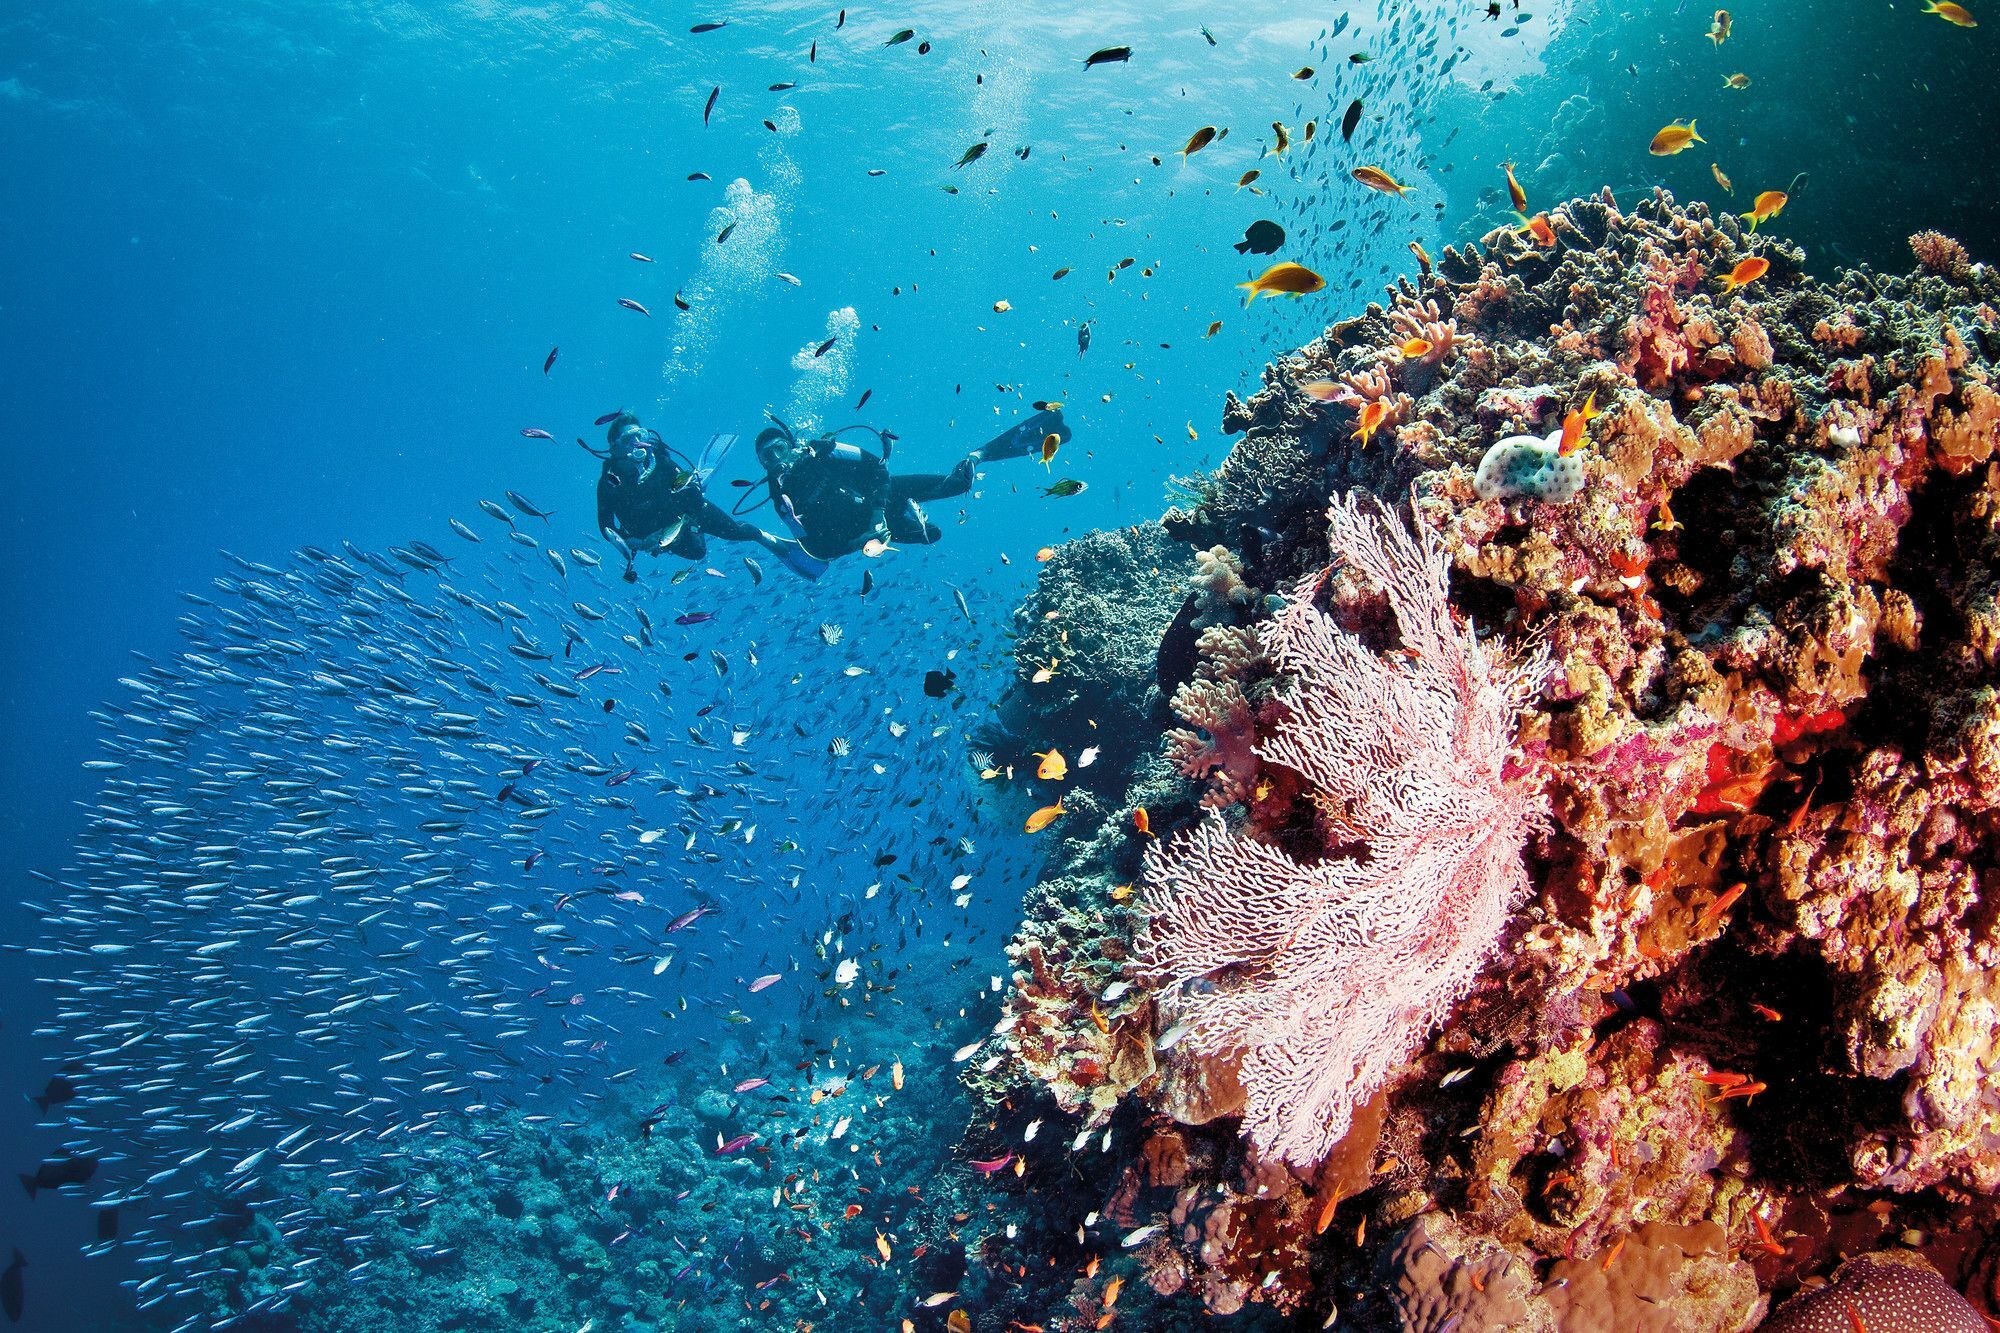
pixel 1941 254
pixel 1319 978
pixel 1426 321
pixel 1214 702
pixel 1218 582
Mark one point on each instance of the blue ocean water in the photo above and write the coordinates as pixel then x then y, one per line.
pixel 285 276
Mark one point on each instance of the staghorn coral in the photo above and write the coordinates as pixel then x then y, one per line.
pixel 1753 985
pixel 1942 255
pixel 1317 979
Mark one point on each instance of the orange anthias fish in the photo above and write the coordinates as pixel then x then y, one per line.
pixel 1746 271
pixel 1371 419
pixel 1285 279
pixel 1415 348
pixel 1674 138
pixel 1377 179
pixel 1053 768
pixel 1718 31
pixel 1766 206
pixel 1951 12
pixel 1044 817
pixel 1050 443
pixel 1575 424
pixel 1515 194
pixel 1142 822
pixel 1541 229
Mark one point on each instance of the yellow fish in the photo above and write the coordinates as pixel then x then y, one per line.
pixel 1766 206
pixel 1736 81
pixel 1284 138
pixel 1044 817
pixel 1515 194
pixel 1285 279
pixel 1377 179
pixel 1215 327
pixel 1053 768
pixel 1718 31
pixel 1951 12
pixel 1050 443
pixel 1674 138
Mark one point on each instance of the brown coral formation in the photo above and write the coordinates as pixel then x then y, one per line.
pixel 1750 1021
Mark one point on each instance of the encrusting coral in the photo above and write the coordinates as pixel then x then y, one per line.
pixel 1743 1022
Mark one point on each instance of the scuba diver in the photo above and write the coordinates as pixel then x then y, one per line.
pixel 837 497
pixel 649 500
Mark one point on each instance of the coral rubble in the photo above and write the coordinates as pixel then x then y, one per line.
pixel 1747 1019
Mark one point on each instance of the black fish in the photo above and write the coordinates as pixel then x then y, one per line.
pixel 708 27
pixel 822 349
pixel 1083 337
pixel 1261 237
pixel 867 582
pixel 1351 119
pixel 866 394
pixel 840 22
pixel 56 1093
pixel 714 93
pixel 723 235
pixel 680 302
pixel 1109 55
pixel 937 684
pixel 59 1171
pixel 13 1288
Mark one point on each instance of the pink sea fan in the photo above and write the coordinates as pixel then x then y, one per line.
pixel 1320 978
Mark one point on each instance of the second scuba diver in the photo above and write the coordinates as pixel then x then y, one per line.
pixel 837 497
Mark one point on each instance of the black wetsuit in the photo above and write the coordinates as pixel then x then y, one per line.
pixel 641 511
pixel 842 496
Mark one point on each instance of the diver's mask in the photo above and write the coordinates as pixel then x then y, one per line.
pixel 636 451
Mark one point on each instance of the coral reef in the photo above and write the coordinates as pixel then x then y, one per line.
pixel 1744 1022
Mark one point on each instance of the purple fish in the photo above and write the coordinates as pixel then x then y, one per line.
pixel 694 618
pixel 548 364
pixel 631 304
pixel 687 918
pixel 736 1145
pixel 608 418
pixel 535 433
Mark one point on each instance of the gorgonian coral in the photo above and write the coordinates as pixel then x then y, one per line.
pixel 1319 977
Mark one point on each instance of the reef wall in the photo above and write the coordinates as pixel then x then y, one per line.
pixel 1745 1019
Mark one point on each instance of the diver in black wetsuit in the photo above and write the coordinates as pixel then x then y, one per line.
pixel 648 502
pixel 837 497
